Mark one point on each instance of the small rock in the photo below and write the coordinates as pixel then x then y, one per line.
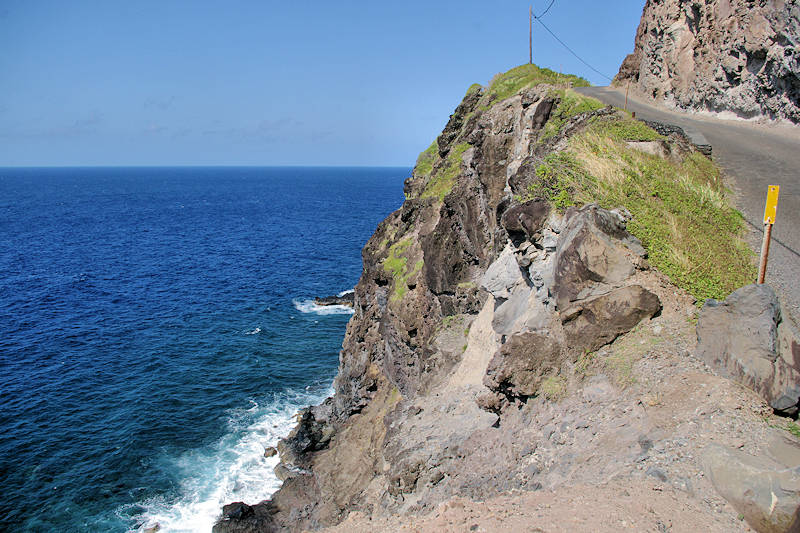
pixel 532 471
pixel 656 473
pixel 549 241
pixel 270 452
pixel 436 477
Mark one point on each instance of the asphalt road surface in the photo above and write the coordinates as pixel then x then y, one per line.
pixel 753 157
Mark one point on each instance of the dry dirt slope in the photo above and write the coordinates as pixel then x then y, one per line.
pixel 622 451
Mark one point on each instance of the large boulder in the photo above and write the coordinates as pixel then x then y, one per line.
pixel 595 253
pixel 598 321
pixel 525 220
pixel 765 490
pixel 518 368
pixel 744 339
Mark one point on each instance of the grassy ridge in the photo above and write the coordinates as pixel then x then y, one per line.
pixel 396 264
pixel 511 82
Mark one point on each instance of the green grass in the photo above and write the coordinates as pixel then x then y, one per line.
pixel 554 388
pixel 680 209
pixel 510 83
pixel 441 182
pixel 396 264
pixel 619 364
pixel 626 129
pixel 792 428
pixel 475 87
pixel 426 159
pixel 555 180
pixel 450 319
pixel 571 104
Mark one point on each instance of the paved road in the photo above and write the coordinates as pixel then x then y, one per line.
pixel 753 157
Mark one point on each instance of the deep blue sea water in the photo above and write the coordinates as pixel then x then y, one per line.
pixel 158 334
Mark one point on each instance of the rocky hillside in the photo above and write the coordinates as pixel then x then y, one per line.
pixel 737 56
pixel 512 337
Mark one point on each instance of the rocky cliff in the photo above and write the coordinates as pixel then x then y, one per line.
pixel 736 56
pixel 503 335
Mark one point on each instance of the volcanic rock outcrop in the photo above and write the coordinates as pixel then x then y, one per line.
pixel 479 307
pixel 467 291
pixel 737 56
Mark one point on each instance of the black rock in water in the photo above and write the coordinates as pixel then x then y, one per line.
pixel 237 511
pixel 347 299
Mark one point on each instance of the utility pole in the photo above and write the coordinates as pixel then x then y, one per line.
pixel 530 34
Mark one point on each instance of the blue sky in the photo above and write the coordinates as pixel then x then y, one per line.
pixel 269 83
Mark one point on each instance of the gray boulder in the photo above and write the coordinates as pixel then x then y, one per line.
pixel 596 322
pixel 765 491
pixel 744 339
pixel 502 275
pixel 595 253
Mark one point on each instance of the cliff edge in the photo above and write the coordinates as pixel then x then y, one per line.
pixel 512 341
pixel 739 57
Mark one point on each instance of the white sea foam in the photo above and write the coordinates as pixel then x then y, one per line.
pixel 308 306
pixel 348 291
pixel 232 469
pixel 253 332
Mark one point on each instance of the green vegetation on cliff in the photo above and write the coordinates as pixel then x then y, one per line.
pixel 426 159
pixel 396 264
pixel 679 207
pixel 571 104
pixel 511 82
pixel 442 181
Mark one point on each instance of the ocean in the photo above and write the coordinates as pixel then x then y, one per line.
pixel 158 333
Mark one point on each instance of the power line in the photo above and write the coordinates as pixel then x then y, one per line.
pixel 538 19
pixel 546 10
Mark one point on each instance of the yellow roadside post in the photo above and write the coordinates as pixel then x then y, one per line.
pixel 770 211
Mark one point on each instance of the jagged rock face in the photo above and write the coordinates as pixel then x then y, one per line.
pixel 740 56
